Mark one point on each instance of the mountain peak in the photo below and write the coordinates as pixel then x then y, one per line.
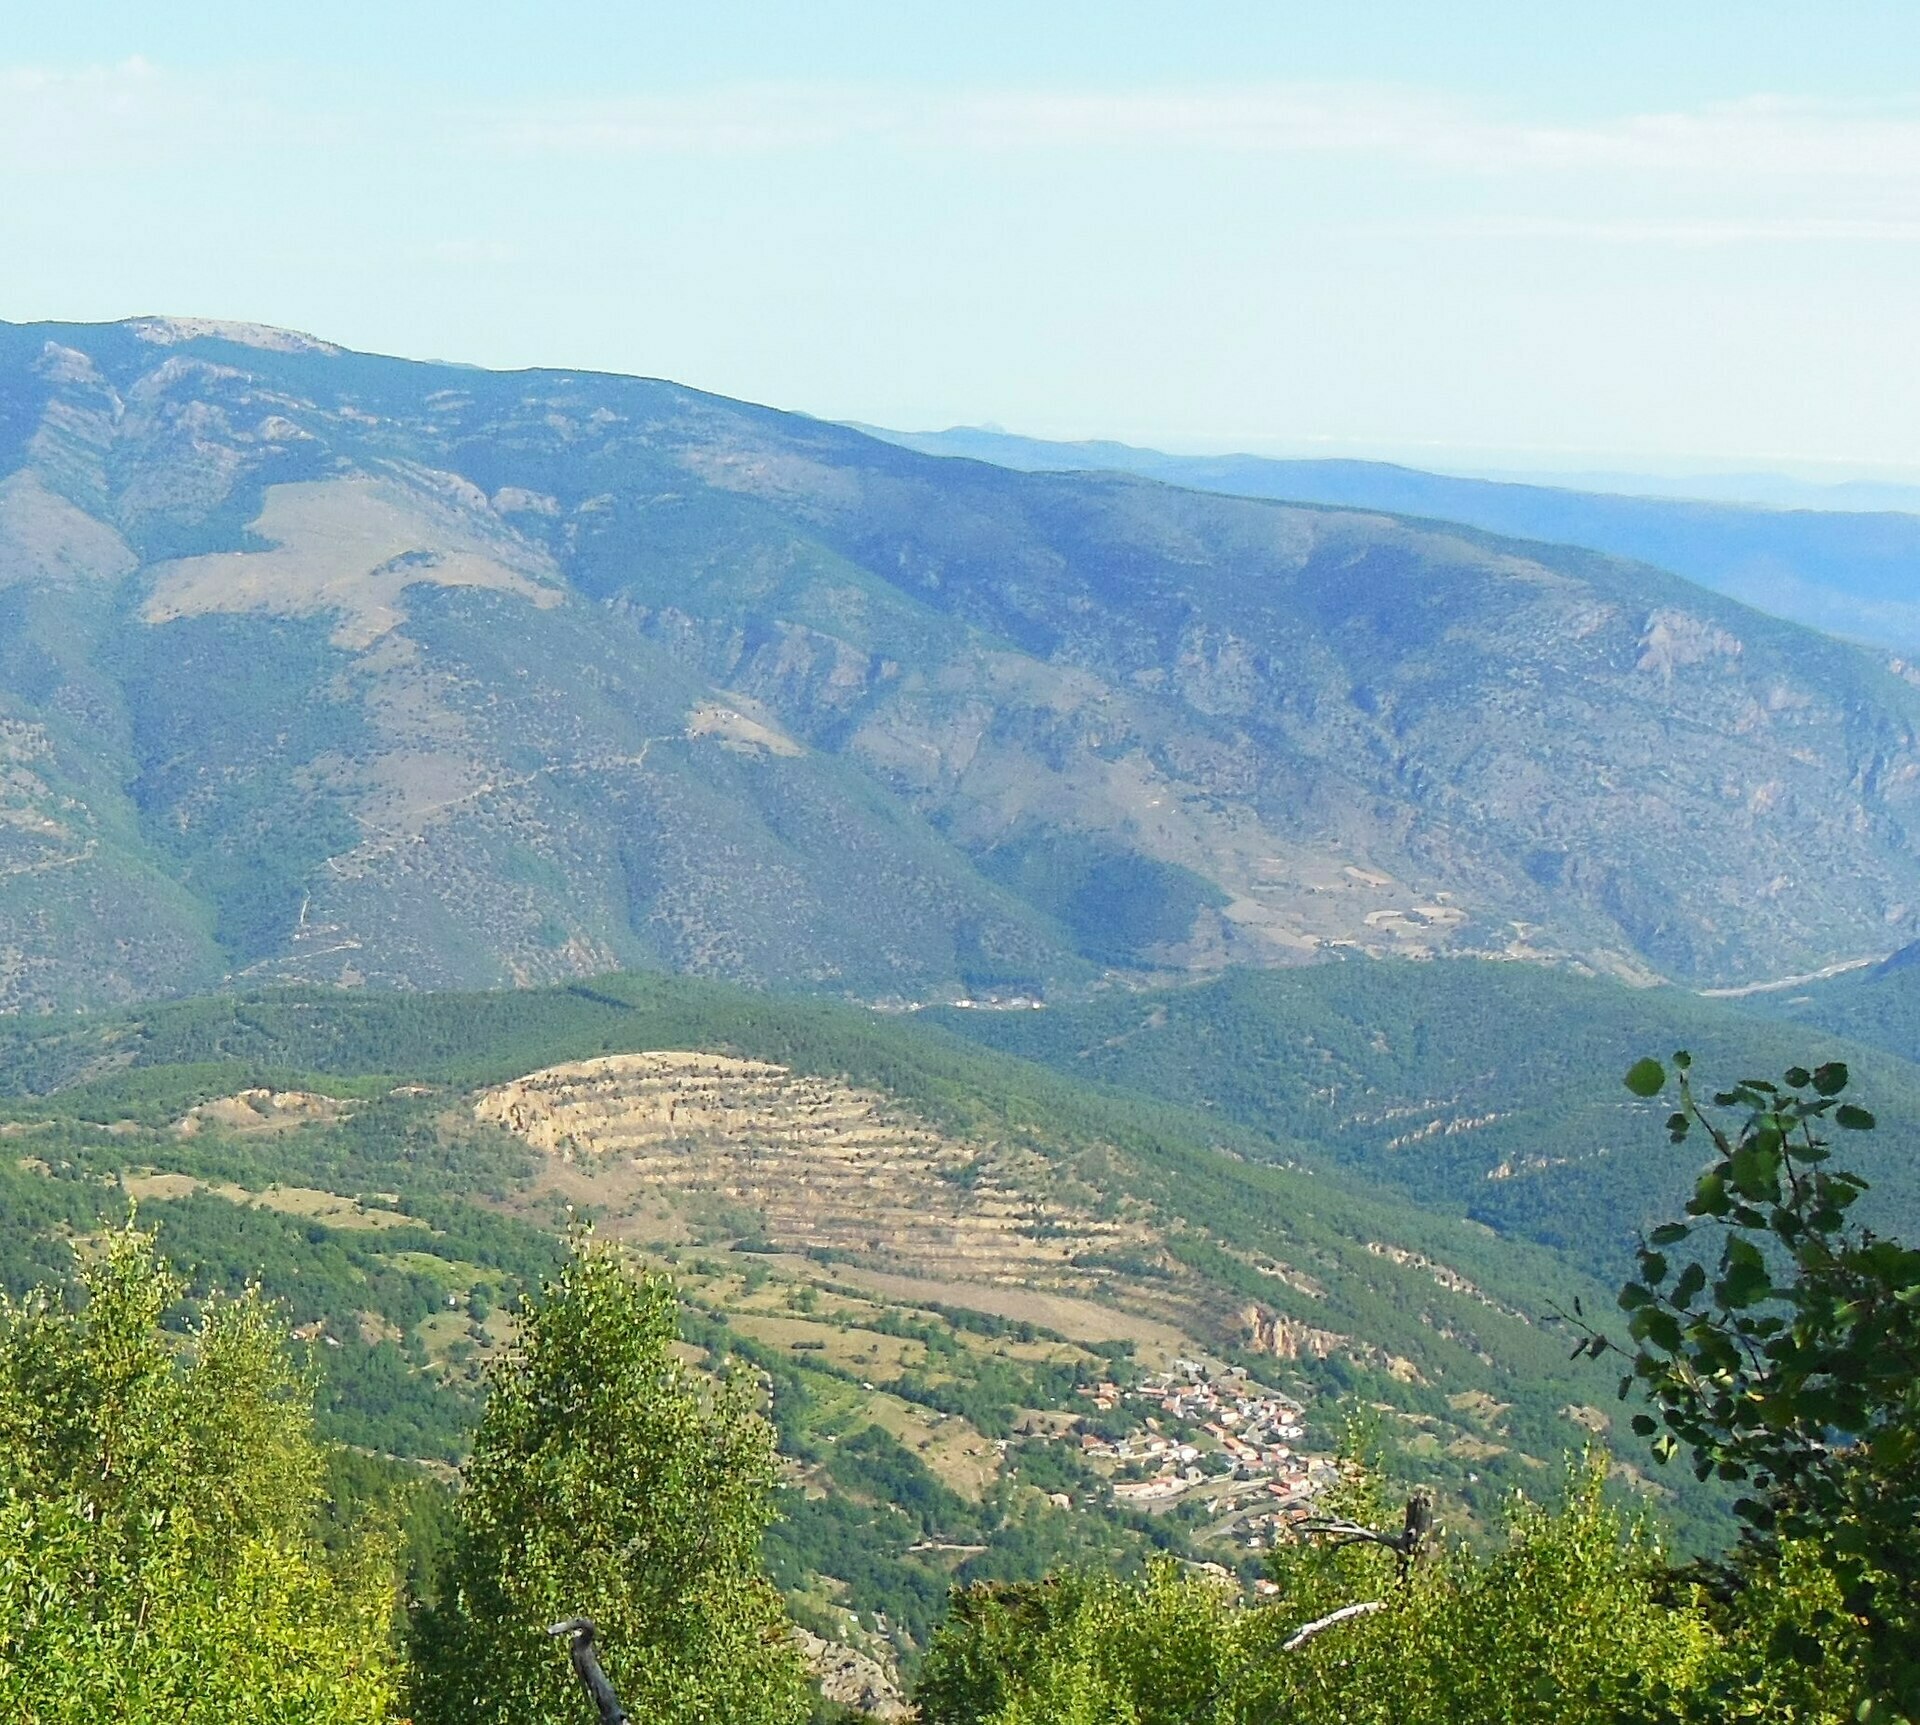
pixel 171 331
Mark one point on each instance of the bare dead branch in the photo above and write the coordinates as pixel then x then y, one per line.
pixel 1307 1631
pixel 1406 1545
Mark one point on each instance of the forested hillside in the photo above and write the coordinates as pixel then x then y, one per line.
pixel 1469 1086
pixel 161 1443
pixel 391 1169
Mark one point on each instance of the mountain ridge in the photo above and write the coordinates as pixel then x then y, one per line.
pixel 326 667
pixel 1842 570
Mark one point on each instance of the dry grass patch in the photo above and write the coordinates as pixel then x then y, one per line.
pixel 353 547
pixel 862 1352
pixel 309 1203
pixel 954 1452
pixel 261 1110
pixel 1079 1320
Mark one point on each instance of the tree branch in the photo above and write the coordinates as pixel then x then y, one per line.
pixel 1307 1631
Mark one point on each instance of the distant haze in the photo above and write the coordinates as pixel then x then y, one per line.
pixel 1664 240
pixel 1842 558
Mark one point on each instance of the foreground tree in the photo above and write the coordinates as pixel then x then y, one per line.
pixel 607 1482
pixel 1084 1650
pixel 1779 1343
pixel 1565 1623
pixel 158 1506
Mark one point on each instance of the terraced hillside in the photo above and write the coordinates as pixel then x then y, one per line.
pixel 806 1164
pixel 772 1134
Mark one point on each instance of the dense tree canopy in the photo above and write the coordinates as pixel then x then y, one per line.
pixel 607 1482
pixel 158 1548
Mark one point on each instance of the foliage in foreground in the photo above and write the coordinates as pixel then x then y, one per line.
pixel 1779 1342
pixel 606 1481
pixel 159 1557
pixel 1574 1619
pixel 1562 1623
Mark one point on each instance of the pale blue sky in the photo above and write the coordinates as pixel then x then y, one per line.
pixel 1514 235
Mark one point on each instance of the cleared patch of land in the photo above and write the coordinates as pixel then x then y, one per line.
pixel 260 1110
pixel 353 546
pixel 306 1202
pixel 1078 1320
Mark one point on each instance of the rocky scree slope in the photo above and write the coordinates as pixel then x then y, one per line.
pixel 322 667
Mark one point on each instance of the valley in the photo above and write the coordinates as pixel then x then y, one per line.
pixel 1107 1000
pixel 1002 1319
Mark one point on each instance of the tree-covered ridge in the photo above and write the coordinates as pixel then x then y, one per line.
pixel 335 1159
pixel 1468 1086
pixel 1397 1283
pixel 327 1147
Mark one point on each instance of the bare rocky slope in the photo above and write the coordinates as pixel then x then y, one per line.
pixel 322 667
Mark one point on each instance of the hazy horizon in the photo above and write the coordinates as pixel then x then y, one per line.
pixel 1494 239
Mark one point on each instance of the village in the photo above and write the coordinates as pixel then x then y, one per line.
pixel 1215 1438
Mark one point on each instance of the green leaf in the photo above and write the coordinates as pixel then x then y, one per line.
pixel 1831 1078
pixel 1657 1328
pixel 1646 1077
pixel 1669 1234
pixel 1853 1119
pixel 1797 1077
pixel 1741 1286
pixel 1755 1167
pixel 1710 1196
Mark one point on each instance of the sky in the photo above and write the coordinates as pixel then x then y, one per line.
pixel 1665 238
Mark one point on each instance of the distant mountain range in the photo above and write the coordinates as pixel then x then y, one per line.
pixel 1845 559
pixel 322 667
